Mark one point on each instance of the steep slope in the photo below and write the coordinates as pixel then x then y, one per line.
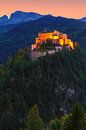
pixel 53 82
pixel 24 34
pixel 19 17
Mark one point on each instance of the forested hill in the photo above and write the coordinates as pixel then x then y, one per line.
pixel 53 82
pixel 24 34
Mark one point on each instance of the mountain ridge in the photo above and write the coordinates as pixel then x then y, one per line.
pixel 19 17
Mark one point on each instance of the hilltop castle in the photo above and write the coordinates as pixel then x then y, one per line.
pixel 57 38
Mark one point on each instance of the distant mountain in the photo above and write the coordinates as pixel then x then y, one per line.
pixel 6 28
pixel 23 35
pixel 81 38
pixel 3 20
pixel 83 19
pixel 19 17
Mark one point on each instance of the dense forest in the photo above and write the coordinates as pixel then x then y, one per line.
pixel 53 82
pixel 75 120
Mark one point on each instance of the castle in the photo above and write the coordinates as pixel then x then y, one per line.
pixel 57 38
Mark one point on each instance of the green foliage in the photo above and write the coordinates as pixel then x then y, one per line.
pixel 84 122
pixel 75 120
pixel 77 117
pixel 33 121
pixel 55 124
pixel 9 121
pixel 65 122
pixel 53 82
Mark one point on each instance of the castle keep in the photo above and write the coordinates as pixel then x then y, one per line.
pixel 57 38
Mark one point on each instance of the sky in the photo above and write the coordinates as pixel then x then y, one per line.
pixel 66 8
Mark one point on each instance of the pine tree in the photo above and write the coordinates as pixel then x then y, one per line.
pixel 33 121
pixel 74 121
pixel 77 117
pixel 84 122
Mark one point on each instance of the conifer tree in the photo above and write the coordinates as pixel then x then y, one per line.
pixel 33 121
pixel 74 121
pixel 77 117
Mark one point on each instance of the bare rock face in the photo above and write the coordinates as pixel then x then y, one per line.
pixel 64 96
pixel 71 92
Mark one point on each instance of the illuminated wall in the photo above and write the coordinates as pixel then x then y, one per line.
pixel 45 36
pixel 56 37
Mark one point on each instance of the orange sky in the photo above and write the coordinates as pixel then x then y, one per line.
pixel 66 8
